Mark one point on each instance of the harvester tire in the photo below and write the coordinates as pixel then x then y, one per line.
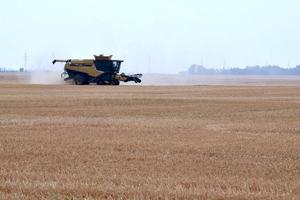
pixel 115 82
pixel 80 80
pixel 100 83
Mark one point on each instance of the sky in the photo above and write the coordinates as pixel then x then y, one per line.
pixel 157 36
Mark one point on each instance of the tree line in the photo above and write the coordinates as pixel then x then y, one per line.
pixel 249 70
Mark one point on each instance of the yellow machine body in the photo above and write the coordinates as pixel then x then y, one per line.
pixel 102 70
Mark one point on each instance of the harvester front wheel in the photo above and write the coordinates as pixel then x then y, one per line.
pixel 80 80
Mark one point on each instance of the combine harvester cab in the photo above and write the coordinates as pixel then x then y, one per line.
pixel 102 71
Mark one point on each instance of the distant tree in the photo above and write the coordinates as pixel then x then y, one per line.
pixel 249 70
pixel 192 69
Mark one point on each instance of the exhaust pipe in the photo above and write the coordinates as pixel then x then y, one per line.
pixel 65 61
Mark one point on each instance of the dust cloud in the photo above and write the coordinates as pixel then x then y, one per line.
pixel 45 78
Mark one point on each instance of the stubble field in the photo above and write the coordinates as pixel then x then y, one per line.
pixel 131 142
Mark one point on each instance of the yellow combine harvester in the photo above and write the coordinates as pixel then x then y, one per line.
pixel 102 71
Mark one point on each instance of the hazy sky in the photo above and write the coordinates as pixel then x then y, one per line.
pixel 152 36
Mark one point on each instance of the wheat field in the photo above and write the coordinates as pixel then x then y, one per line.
pixel 131 142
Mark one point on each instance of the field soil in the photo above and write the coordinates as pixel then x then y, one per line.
pixel 146 142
